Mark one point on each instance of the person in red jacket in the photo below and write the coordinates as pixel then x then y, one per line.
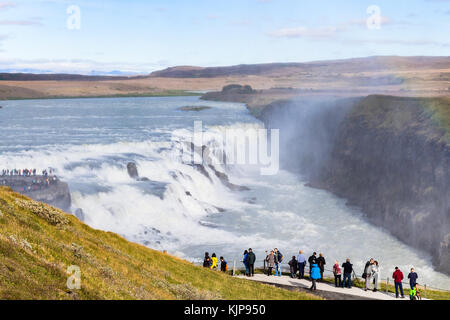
pixel 398 277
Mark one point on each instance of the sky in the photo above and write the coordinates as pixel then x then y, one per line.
pixel 140 36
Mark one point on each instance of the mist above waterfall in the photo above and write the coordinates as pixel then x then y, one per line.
pixel 308 129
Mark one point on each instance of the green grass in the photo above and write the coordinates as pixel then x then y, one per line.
pixel 427 116
pixel 38 243
pixel 439 111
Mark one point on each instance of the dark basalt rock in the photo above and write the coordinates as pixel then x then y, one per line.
pixel 194 108
pixel 132 170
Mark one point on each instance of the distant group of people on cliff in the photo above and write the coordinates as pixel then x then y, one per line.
pixel 28 185
pixel 25 172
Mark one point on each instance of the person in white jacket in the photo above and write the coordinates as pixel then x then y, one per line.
pixel 375 275
pixel 368 273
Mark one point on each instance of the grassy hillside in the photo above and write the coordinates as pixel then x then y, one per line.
pixel 402 113
pixel 38 243
pixel 439 110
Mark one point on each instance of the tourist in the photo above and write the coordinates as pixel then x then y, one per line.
pixel 312 260
pixel 213 262
pixel 414 293
pixel 337 274
pixel 278 260
pixel 412 276
pixel 398 277
pixel 251 259
pixel 315 275
pixel 321 263
pixel 301 260
pixel 375 275
pixel 367 274
pixel 207 260
pixel 348 269
pixel 223 265
pixel 270 262
pixel 293 264
pixel 244 260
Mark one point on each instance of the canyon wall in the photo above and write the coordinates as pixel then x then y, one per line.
pixel 390 156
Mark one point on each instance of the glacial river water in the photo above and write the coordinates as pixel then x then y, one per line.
pixel 180 209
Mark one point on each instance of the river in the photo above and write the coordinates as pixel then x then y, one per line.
pixel 88 142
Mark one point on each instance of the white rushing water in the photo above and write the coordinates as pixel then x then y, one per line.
pixel 89 142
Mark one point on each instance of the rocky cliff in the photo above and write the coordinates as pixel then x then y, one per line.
pixel 54 191
pixel 390 156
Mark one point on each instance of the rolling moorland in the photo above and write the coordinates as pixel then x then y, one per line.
pixel 406 76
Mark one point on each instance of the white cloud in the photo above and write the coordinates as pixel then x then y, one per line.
pixel 20 23
pixel 326 32
pixel 303 32
pixel 79 66
pixel 363 22
pixel 406 42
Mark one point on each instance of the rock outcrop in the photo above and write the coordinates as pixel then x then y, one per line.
pixel 132 170
pixel 231 93
pixel 54 192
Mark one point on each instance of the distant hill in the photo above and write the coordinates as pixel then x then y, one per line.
pixel 355 65
pixel 391 75
pixel 57 77
pixel 211 72
pixel 368 64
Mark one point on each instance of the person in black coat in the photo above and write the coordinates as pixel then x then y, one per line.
pixel 207 260
pixel 348 269
pixel 312 260
pixel 293 264
pixel 251 259
pixel 321 264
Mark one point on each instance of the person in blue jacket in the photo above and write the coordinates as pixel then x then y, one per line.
pixel 245 261
pixel 315 275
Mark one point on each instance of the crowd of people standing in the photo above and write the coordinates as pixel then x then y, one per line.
pixel 33 183
pixel 211 262
pixel 25 172
pixel 342 273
